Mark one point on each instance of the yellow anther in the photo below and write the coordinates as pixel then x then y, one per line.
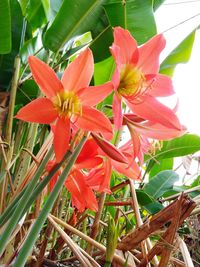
pixel 67 104
pixel 132 81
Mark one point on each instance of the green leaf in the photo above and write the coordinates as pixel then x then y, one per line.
pixel 178 147
pixel 153 207
pixel 27 92
pixel 37 12
pixel 103 71
pixel 72 21
pixel 147 202
pixel 7 61
pixel 30 47
pixel 143 198
pixel 23 4
pixel 161 165
pixel 181 146
pixel 157 4
pixel 134 15
pixel 5 27
pixel 181 54
pixel 161 183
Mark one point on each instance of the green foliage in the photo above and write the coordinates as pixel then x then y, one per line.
pixel 161 183
pixel 79 20
pixel 178 147
pixel 181 54
pixel 7 61
pixel 136 16
pixel 5 27
pixel 157 4
pixel 27 92
pixel 161 165
pixel 103 71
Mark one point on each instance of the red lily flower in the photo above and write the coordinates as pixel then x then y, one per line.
pixel 142 130
pixel 99 177
pixel 67 101
pixel 137 81
pixel 81 193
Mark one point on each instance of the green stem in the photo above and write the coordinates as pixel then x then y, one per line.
pixel 12 99
pixel 32 237
pixel 22 203
pixel 39 188
pixel 107 264
pixel 10 209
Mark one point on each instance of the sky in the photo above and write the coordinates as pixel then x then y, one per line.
pixel 187 76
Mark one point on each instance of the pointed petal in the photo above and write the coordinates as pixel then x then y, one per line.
pixel 127 44
pixel 131 170
pixel 45 77
pixel 115 51
pixel 162 86
pixel 117 111
pixel 82 196
pixel 105 184
pixel 89 150
pixel 93 95
pixel 158 131
pixel 99 178
pixel 79 73
pixel 135 139
pixel 94 120
pixel 89 163
pixel 149 54
pixel 116 78
pixel 152 110
pixel 61 138
pixel 40 110
pixel 109 149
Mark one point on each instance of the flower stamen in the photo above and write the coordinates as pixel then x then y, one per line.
pixel 67 104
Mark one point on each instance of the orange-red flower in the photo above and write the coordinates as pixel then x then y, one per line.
pixel 99 177
pixel 68 101
pixel 137 81
pixel 142 130
pixel 82 195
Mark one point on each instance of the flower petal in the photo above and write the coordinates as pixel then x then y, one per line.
pixel 158 131
pixel 149 54
pixel 131 170
pixel 135 139
pixel 93 95
pixel 116 78
pixel 40 110
pixel 117 111
pixel 152 110
pixel 45 77
pixel 162 86
pixel 82 195
pixel 61 138
pixel 109 149
pixel 79 73
pixel 127 44
pixel 89 163
pixel 89 150
pixel 94 120
pixel 99 178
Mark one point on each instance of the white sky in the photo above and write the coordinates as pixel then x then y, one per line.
pixel 187 76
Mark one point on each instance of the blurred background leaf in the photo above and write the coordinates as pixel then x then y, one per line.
pixel 181 54
pixel 5 27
